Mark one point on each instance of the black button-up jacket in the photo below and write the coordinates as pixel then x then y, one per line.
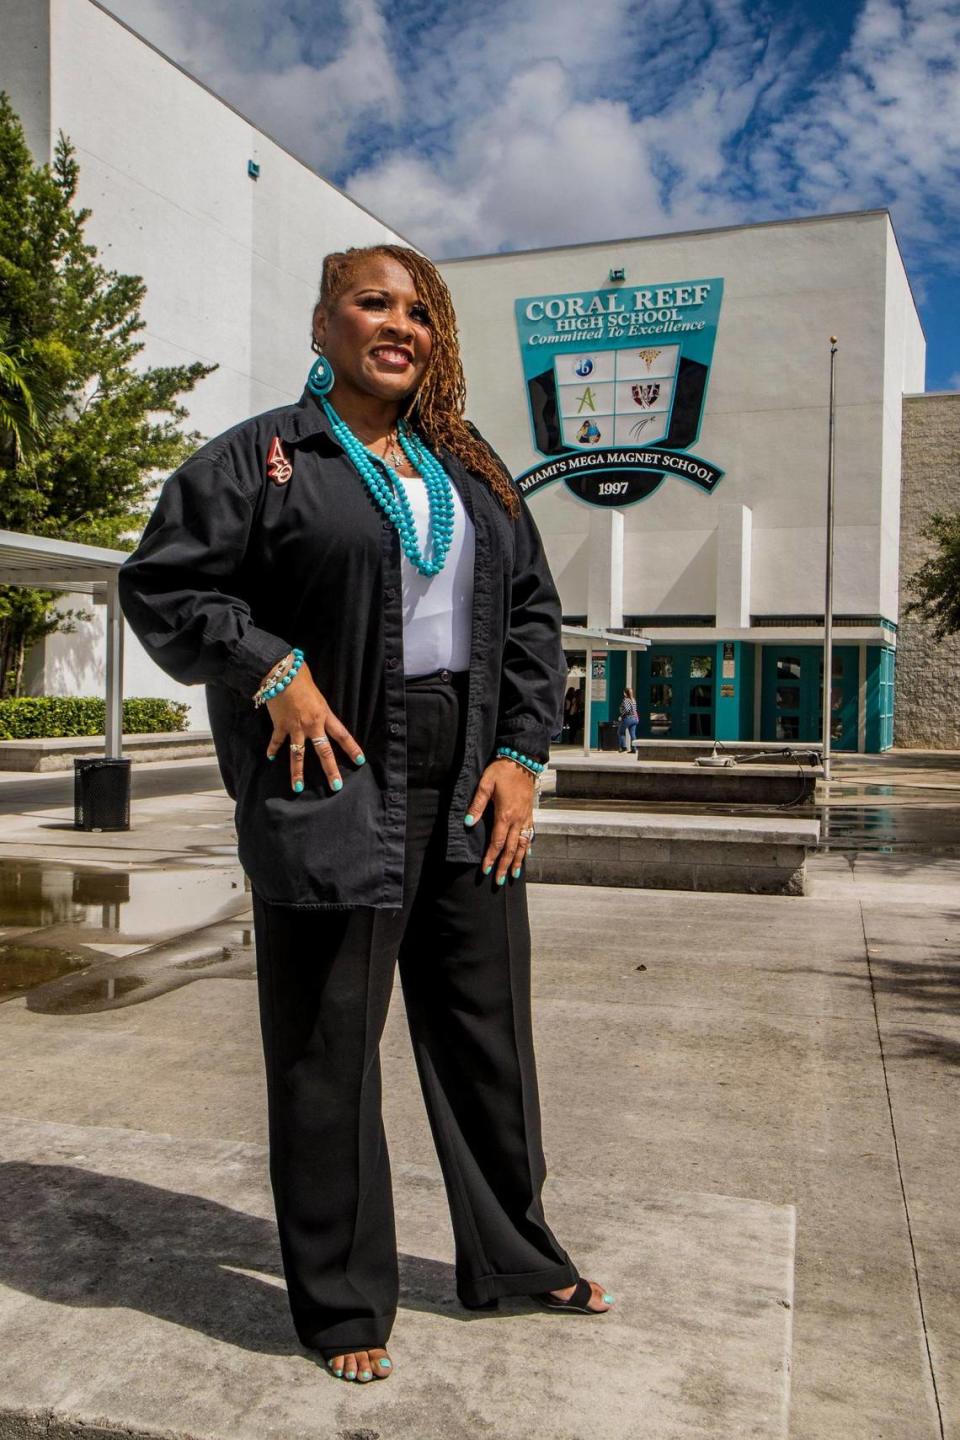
pixel 243 559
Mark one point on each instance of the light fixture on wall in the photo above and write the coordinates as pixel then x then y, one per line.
pixel 253 169
pixel 617 276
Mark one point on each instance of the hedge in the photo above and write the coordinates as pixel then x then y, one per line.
pixel 35 717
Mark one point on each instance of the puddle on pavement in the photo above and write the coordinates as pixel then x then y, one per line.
pixel 143 904
pixel 23 967
pixel 179 924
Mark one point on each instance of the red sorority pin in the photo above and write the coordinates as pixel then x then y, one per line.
pixel 279 465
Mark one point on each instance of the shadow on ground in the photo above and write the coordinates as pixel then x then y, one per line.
pixel 73 1237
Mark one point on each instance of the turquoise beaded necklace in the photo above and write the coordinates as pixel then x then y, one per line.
pixel 389 493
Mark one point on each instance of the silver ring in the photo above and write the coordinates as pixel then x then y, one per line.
pixel 320 741
pixel 528 833
pixel 297 749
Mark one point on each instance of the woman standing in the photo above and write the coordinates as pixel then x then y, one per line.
pixel 629 720
pixel 363 592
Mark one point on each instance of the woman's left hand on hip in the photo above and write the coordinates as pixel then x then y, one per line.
pixel 511 790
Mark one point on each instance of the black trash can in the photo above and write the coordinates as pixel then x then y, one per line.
pixel 101 794
pixel 608 734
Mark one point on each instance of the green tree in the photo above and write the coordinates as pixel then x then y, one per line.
pixel 83 430
pixel 937 583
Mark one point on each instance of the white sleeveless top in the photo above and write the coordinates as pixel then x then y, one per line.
pixel 438 609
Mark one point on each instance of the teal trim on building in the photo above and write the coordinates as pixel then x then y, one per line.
pixel 601 711
pixel 881 662
pixel 707 690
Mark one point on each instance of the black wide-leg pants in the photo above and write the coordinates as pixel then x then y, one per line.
pixel 325 980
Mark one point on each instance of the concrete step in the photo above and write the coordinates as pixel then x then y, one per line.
pixel 59 752
pixel 688 749
pixel 142 1296
pixel 751 855
pixel 583 778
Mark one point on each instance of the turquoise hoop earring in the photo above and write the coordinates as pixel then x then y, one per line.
pixel 321 377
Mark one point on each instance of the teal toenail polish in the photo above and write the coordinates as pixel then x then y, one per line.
pixel 469 820
pixel 360 760
pixel 336 784
pixel 366 1374
pixel 608 1299
pixel 350 1375
pixel 502 880
pixel 487 869
pixel 339 1372
pixel 298 786
pixel 387 1364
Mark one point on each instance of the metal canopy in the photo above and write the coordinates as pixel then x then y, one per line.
pixel 49 564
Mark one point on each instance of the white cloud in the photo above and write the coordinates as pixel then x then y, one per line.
pixel 307 72
pixel 513 123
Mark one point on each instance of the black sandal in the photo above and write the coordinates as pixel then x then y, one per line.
pixel 576 1304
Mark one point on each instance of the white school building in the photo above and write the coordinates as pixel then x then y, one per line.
pixel 663 400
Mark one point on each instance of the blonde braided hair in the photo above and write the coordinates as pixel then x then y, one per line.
pixel 440 400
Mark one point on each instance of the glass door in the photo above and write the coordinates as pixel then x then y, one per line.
pixel 675 692
pixel 792 695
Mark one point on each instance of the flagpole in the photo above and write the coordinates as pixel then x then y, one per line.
pixel 827 688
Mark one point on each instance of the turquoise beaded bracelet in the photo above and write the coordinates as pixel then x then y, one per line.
pixel 534 766
pixel 276 689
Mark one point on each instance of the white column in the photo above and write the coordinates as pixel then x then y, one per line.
pixel 114 679
pixel 605 573
pixel 734 538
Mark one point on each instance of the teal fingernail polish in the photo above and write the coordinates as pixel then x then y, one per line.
pixel 502 880
pixel 608 1299
pixel 386 1364
pixel 360 760
pixel 271 757
pixel 336 784
pixel 487 869
pixel 516 873
pixel 469 820
pixel 298 786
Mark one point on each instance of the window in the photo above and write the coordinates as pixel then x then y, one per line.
pixel 701 667
pixel 701 696
pixel 788 727
pixel 788 667
pixel 661 695
pixel 788 697
pixel 661 667
pixel 700 724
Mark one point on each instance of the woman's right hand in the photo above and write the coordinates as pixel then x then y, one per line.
pixel 301 714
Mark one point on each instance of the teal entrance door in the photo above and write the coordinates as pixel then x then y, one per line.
pixel 792 695
pixel 675 692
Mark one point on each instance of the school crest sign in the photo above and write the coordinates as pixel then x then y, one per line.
pixel 616 384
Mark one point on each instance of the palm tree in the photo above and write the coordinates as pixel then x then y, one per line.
pixel 22 425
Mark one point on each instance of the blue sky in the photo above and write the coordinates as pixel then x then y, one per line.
pixel 492 125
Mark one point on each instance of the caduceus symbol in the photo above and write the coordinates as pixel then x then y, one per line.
pixel 645 396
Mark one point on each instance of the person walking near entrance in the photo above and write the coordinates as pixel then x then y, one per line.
pixel 363 591
pixel 629 720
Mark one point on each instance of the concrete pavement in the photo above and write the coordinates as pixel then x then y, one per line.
pixel 749 1119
